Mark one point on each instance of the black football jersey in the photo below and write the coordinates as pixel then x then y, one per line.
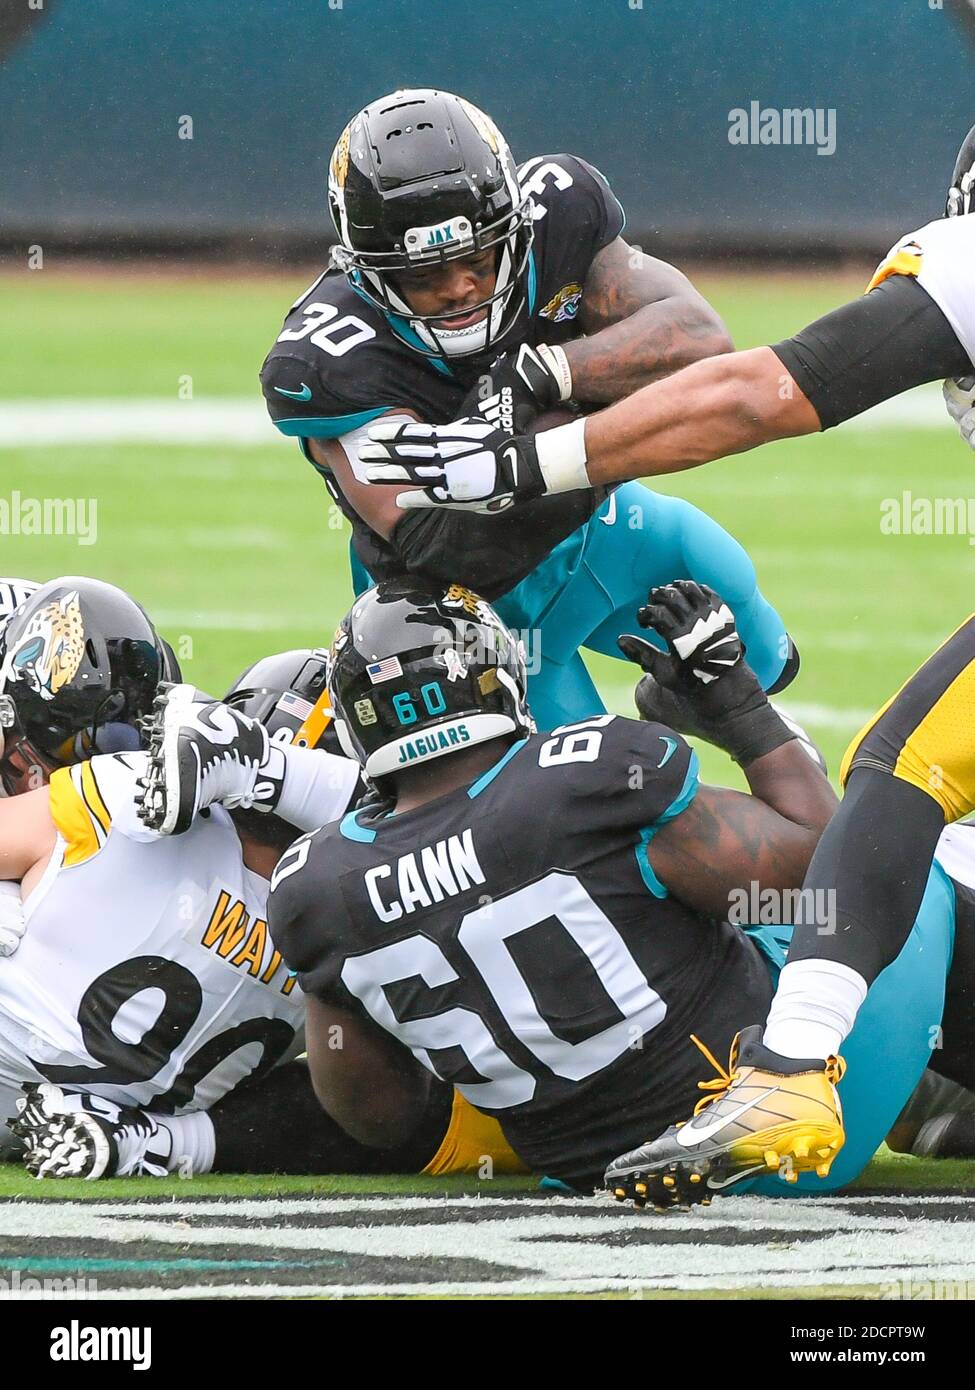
pixel 514 936
pixel 338 364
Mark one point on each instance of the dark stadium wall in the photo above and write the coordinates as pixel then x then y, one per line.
pixel 93 98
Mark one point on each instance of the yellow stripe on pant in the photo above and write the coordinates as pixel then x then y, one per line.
pixel 474 1143
pixel 925 734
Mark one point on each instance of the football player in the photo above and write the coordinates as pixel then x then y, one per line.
pixel 519 914
pixel 449 255
pixel 189 921
pixel 916 323
pixel 146 978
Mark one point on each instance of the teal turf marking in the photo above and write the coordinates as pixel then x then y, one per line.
pixel 108 1266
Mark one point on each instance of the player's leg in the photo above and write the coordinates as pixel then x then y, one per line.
pixel 724 1149
pixel 560 693
pixel 655 539
pixel 908 773
pixel 894 1039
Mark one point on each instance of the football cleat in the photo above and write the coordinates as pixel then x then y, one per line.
pixel 767 1114
pixel 72 1135
pixel 200 754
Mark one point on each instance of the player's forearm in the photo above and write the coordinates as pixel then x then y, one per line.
pixel 655 341
pixel 722 406
pixel 789 782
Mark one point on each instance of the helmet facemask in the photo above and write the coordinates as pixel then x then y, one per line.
pixel 372 274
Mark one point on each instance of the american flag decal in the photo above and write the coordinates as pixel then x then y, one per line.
pixel 294 704
pixel 384 670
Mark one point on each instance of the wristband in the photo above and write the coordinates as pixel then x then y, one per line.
pixel 558 364
pixel 561 455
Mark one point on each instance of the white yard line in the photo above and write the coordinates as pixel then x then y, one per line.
pixel 243 420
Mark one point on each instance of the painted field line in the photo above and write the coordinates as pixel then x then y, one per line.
pixel 243 420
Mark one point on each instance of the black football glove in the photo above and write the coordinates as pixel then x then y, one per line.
pixel 469 464
pixel 518 387
pixel 702 686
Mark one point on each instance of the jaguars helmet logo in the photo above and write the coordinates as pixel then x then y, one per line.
pixel 51 649
pixel 459 597
pixel 339 169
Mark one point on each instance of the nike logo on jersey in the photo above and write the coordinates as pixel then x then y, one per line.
pixel 691 1134
pixel 303 395
pixel 671 750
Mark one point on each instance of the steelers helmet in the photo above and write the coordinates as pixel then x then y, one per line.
pixel 288 694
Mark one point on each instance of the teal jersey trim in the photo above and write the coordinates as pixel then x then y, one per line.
pixel 486 778
pixel 352 830
pixel 329 426
pixel 532 280
pixel 680 803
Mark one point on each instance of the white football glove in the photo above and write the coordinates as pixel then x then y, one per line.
pixel 959 394
pixel 12 924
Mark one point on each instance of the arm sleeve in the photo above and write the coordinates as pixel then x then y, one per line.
pixel 871 349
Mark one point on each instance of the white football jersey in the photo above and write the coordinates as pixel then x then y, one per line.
pixel 146 973
pixel 941 257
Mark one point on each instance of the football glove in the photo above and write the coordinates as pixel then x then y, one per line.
pixel 469 463
pixel 518 387
pixel 959 394
pixel 701 685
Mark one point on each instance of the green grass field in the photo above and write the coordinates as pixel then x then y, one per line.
pixel 232 550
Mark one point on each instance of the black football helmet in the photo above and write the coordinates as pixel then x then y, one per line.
pixel 79 666
pixel 288 694
pixel 417 178
pixel 962 179
pixel 417 671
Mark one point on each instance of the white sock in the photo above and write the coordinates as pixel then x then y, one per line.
pixel 194 1142
pixel 317 785
pixel 814 1008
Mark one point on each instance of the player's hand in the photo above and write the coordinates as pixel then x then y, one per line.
pixel 12 923
pixel 959 394
pixel 467 464
pixel 699 628
pixel 518 387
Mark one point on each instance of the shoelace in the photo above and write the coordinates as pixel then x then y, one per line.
pixel 718 1085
